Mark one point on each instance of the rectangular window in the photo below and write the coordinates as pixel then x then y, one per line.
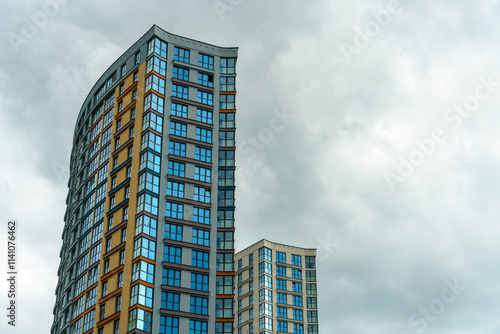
pixel 171 277
pixel 139 319
pixel 202 174
pixel 181 73
pixel 281 298
pixel 138 57
pixel 204 135
pixel 175 189
pixel 226 178
pixel 116 326
pixel 282 312
pixel 199 305
pixel 227 65
pixel 281 271
pixel 201 237
pixel 122 257
pixel 180 91
pixel 265 281
pixel 173 232
pixel 118 303
pixel 181 55
pixel 157 46
pixel 225 285
pixel 265 295
pixel 205 79
pixel 150 161
pixel 297 274
pixel 297 287
pixel 179 110
pixel 297 301
pixel 310 262
pixel 224 308
pixel 170 301
pixel 226 158
pixel 198 327
pixel 156 83
pixel 225 262
pixel 298 315
pixel 124 69
pixel 311 275
pixel 311 289
pixel 265 254
pixel 120 280
pixel 201 215
pixel 282 326
pixel 205 98
pixel 157 65
pixel 312 316
pixel 175 210
pixel 225 198
pixel 150 182
pixel 104 289
pixel 296 260
pixel 199 259
pixel 148 203
pixel 153 121
pixel 89 320
pixel 153 101
pixel 265 267
pixel 225 240
pixel 151 141
pixel 226 102
pixel 91 298
pixel 280 284
pixel 178 129
pixel 136 76
pixel 227 84
pixel 144 247
pixel 176 168
pixel 144 271
pixel 225 218
pixel 177 148
pixel 280 257
pixel 206 61
pixel 172 254
pixel 199 282
pixel 201 194
pixel 204 116
pixel 203 154
pixel 169 325
pixel 312 329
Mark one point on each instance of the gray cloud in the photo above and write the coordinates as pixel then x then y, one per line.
pixel 320 181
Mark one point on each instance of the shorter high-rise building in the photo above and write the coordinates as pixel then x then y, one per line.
pixel 276 289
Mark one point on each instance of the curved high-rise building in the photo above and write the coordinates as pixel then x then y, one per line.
pixel 148 240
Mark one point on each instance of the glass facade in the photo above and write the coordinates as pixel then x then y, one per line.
pixel 284 300
pixel 163 192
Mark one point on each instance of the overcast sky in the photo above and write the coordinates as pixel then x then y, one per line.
pixel 366 129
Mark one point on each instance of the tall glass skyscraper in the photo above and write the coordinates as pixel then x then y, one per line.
pixel 148 241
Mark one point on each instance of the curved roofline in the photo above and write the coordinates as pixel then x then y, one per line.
pixel 275 243
pixel 151 32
